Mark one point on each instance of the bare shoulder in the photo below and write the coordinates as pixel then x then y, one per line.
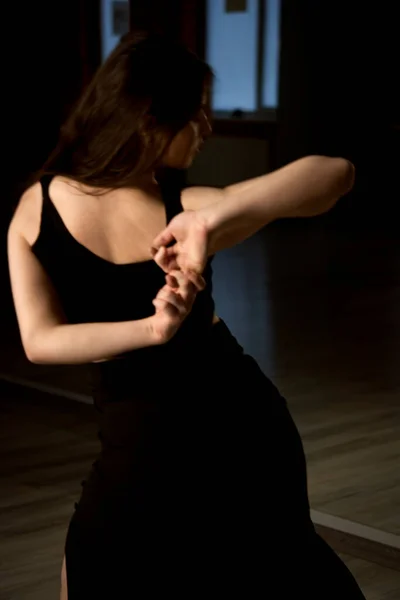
pixel 196 198
pixel 26 219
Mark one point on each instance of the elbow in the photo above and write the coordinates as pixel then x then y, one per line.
pixel 338 173
pixel 34 352
pixel 38 361
pixel 33 356
pixel 346 176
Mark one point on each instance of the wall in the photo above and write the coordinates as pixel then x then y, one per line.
pixel 228 159
pixel 239 273
pixel 339 62
pixel 45 68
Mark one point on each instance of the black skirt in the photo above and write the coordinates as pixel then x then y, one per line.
pixel 200 488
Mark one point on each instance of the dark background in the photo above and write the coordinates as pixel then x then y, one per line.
pixel 338 66
pixel 315 301
pixel 337 81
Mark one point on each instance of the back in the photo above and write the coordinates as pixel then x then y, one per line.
pixel 113 279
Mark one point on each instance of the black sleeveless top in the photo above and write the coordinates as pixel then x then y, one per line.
pixel 93 289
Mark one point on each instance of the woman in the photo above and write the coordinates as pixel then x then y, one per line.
pixel 200 486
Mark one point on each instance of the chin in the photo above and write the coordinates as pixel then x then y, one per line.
pixel 183 163
pixel 190 159
pixel 189 162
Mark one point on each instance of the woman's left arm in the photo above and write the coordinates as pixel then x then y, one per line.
pixel 305 188
pixel 215 219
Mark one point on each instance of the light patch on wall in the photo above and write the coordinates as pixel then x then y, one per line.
pixel 114 23
pixel 234 63
pixel 235 5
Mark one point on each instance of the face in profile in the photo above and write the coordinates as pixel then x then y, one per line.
pixel 189 141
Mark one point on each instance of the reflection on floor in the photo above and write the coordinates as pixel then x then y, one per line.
pixel 376 582
pixel 320 312
pixel 50 444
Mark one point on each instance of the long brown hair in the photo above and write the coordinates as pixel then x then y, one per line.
pixel 147 90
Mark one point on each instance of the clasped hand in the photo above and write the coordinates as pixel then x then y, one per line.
pixel 181 251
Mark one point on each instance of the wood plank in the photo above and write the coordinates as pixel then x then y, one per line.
pixel 49 443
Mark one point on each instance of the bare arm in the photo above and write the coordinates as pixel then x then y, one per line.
pixel 304 188
pixel 46 335
pixel 215 219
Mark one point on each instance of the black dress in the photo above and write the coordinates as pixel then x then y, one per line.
pixel 200 488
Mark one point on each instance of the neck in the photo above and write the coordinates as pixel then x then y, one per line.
pixel 145 180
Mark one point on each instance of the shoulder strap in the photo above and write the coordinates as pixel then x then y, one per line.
pixel 45 181
pixel 171 185
pixel 45 218
pixel 50 213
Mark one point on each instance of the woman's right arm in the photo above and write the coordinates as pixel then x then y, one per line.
pixel 46 335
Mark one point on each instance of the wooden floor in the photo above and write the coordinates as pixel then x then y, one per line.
pixel 320 312
pixel 376 582
pixel 329 305
pixel 47 445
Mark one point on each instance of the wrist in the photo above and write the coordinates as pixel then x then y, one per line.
pixel 155 331
pixel 149 331
pixel 210 221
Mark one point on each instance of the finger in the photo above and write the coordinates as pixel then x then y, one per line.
pixel 185 287
pixel 188 293
pixel 159 304
pixel 172 281
pixel 173 265
pixel 166 288
pixel 160 257
pixel 181 284
pixel 177 276
pixel 162 305
pixel 176 300
pixel 163 239
pixel 197 280
pixel 173 302
pixel 182 278
pixel 170 251
pixel 166 259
